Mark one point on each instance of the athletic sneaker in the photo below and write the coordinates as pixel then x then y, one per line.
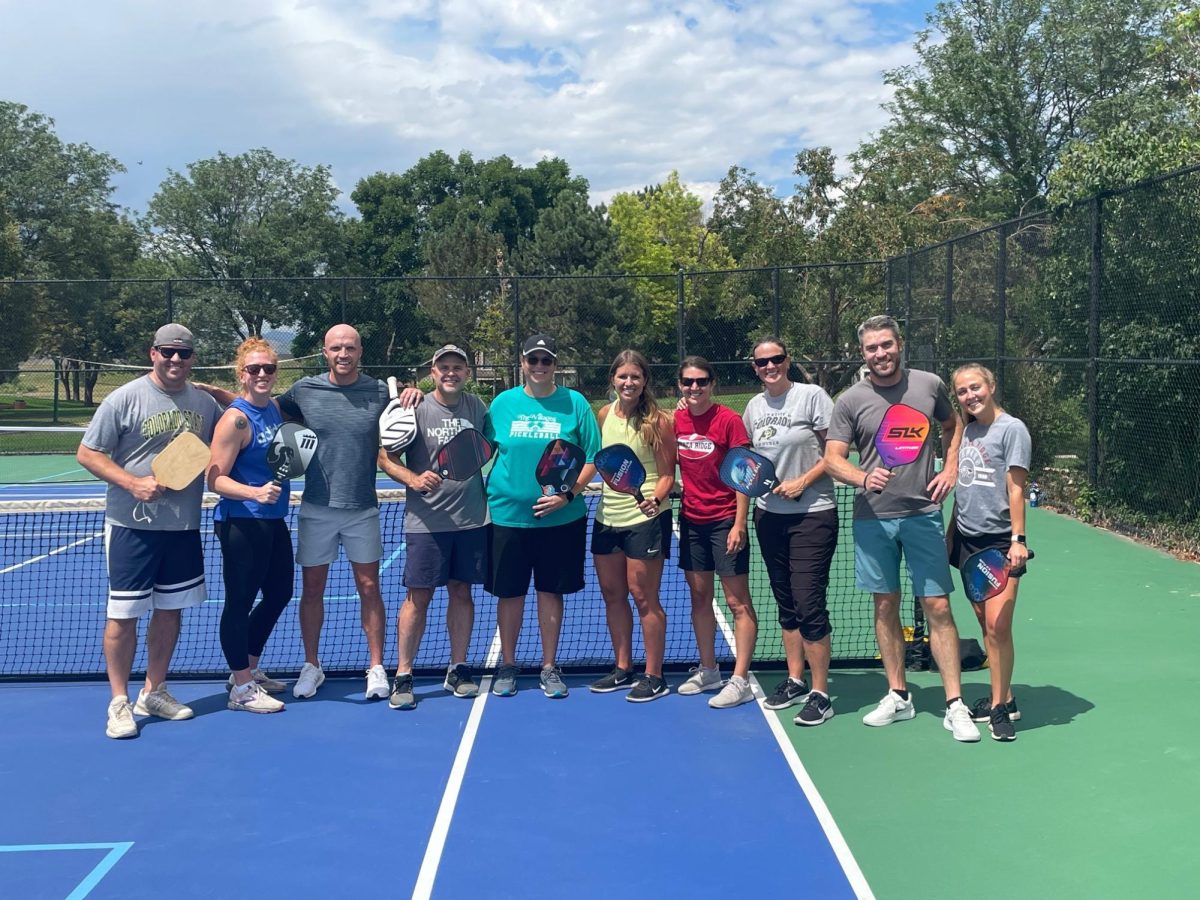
pixel 552 684
pixel 377 683
pixel 892 708
pixel 159 702
pixel 311 678
pixel 958 721
pixel 1001 726
pixel 253 698
pixel 981 710
pixel 700 680
pixel 648 687
pixel 263 680
pixel 402 693
pixel 459 681
pixel 817 711
pixel 616 680
pixel 737 691
pixel 120 719
pixel 505 682
pixel 788 692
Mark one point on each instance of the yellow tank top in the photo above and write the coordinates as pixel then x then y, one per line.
pixel 621 510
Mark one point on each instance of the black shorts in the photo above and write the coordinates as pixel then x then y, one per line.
pixel 434 558
pixel 702 548
pixel 964 546
pixel 153 569
pixel 648 540
pixel 553 556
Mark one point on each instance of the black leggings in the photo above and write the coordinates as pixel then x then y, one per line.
pixel 257 555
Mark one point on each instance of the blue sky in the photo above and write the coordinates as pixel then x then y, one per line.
pixel 625 92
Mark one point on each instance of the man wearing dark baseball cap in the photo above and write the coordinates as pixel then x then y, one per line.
pixel 153 550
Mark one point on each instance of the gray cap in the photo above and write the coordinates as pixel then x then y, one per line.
pixel 450 348
pixel 174 335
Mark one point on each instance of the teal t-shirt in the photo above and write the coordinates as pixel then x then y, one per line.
pixel 521 426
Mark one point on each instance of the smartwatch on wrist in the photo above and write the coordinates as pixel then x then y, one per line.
pixel 1018 538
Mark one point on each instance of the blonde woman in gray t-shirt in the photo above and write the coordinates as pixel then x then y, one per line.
pixel 989 511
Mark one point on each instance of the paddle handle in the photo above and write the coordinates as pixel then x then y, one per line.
pixel 393 387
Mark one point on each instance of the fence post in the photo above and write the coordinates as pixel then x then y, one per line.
pixel 907 294
pixel 948 291
pixel 835 324
pixel 170 300
pixel 516 303
pixel 343 300
pixel 887 275
pixel 680 343
pixel 57 374
pixel 1093 388
pixel 1001 305
pixel 777 308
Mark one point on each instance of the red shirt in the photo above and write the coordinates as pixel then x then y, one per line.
pixel 703 442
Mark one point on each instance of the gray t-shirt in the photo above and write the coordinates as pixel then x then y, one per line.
pixel 784 429
pixel 856 417
pixel 345 419
pixel 986 455
pixel 133 425
pixel 454 505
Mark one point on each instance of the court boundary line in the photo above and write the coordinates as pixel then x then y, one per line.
pixel 833 834
pixel 54 552
pixel 116 850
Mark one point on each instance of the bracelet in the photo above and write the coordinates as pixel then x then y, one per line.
pixel 570 495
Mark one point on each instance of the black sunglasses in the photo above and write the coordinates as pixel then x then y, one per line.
pixel 168 352
pixel 704 381
pixel 541 360
pixel 256 369
pixel 763 362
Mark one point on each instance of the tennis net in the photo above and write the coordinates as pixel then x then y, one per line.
pixel 53 594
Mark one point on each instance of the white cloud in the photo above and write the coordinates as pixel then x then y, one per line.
pixel 624 92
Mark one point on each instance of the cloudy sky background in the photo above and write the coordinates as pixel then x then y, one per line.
pixel 625 92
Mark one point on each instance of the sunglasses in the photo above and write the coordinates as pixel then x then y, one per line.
pixel 703 382
pixel 256 369
pixel 541 360
pixel 168 352
pixel 763 362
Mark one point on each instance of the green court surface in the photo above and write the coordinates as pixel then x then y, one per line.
pixel 1096 798
pixel 40 469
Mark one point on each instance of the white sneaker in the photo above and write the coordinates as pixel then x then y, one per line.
pixel 159 702
pixel 701 680
pixel 252 698
pixel 892 708
pixel 263 680
pixel 120 719
pixel 736 692
pixel 958 721
pixel 377 683
pixel 311 678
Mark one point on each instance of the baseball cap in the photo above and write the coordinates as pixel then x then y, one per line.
pixel 449 348
pixel 540 342
pixel 174 335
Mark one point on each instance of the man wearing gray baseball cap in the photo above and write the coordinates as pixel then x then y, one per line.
pixel 152 534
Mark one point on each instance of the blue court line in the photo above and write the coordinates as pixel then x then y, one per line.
pixel 102 868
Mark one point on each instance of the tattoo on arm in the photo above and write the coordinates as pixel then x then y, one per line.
pixel 240 423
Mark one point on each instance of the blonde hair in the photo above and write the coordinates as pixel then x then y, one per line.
pixel 646 415
pixel 253 344
pixel 986 374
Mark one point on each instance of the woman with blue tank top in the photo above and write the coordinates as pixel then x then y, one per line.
pixel 631 540
pixel 256 546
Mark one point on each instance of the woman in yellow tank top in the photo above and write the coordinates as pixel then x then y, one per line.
pixel 631 541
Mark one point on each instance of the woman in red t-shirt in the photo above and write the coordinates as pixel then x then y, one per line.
pixel 712 532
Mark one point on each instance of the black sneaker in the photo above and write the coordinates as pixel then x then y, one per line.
pixel 616 680
pixel 787 693
pixel 817 710
pixel 981 711
pixel 648 687
pixel 402 696
pixel 1000 725
pixel 459 681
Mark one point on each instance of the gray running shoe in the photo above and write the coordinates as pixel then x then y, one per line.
pixel 552 684
pixel 263 680
pixel 402 696
pixel 253 698
pixel 736 692
pixel 701 679
pixel 459 681
pixel 617 680
pixel 120 719
pixel 159 702
pixel 505 682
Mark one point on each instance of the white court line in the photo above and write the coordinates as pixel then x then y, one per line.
pixel 54 552
pixel 854 874
pixel 445 814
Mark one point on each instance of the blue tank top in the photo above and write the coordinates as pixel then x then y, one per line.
pixel 251 467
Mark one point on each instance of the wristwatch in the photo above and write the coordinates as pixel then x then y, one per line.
pixel 1018 538
pixel 570 494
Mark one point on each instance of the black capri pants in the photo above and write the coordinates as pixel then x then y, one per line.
pixel 256 556
pixel 798 551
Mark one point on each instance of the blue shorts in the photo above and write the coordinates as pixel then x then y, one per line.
pixel 878 544
pixel 434 558
pixel 152 569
